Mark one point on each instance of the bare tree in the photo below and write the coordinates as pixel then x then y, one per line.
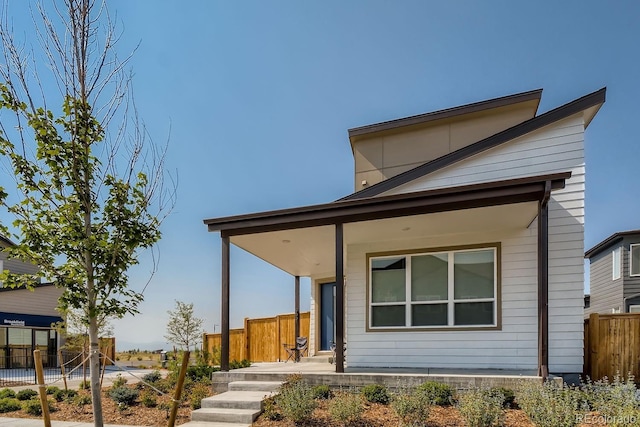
pixel 90 184
pixel 184 329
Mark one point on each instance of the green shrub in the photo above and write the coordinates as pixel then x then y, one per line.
pixel 52 389
pixel 346 408
pixel 549 404
pixel 270 409
pixel 84 385
pixel 7 392
pixel 508 395
pixel 33 407
pixel 81 400
pixel 411 406
pixel 237 364
pixel 376 393
pixel 9 404
pixel 119 381
pixel 61 395
pixel 148 399
pixel 199 391
pixel 26 394
pixel 152 377
pixel 198 372
pixel 296 401
pixel 322 391
pixel 124 395
pixel 437 393
pixel 616 401
pixel 482 407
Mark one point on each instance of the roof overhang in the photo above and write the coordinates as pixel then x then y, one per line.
pixel 609 241
pixel 393 206
pixel 301 241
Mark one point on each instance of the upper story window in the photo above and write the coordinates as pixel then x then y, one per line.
pixel 634 260
pixel 616 265
pixel 439 289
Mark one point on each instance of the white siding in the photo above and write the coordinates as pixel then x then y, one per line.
pixel 555 148
pixel 16 266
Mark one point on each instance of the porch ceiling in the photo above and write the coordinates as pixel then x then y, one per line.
pixel 310 251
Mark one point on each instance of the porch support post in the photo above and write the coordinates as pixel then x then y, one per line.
pixel 296 319
pixel 224 330
pixel 339 321
pixel 543 283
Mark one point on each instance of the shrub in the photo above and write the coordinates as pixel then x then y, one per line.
pixel 346 408
pixel 296 401
pixel 508 395
pixel 82 399
pixel 411 406
pixel 198 372
pixel 549 404
pixel 376 393
pixel 84 385
pixel 33 407
pixel 123 395
pixel 52 389
pixel 482 407
pixel 437 393
pixel 322 391
pixel 270 409
pixel 7 392
pixel 152 377
pixel 148 399
pixel 9 404
pixel 615 401
pixel 119 381
pixel 199 391
pixel 26 394
pixel 61 395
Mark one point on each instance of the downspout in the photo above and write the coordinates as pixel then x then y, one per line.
pixel 543 283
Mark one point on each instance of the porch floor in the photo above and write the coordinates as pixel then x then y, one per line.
pixel 324 373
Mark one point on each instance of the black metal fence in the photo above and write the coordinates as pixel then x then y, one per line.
pixel 17 366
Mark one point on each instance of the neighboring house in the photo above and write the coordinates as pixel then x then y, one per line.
pixel 26 317
pixel 461 248
pixel 615 274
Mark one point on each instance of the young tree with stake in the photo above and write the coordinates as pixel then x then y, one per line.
pixel 90 185
pixel 184 329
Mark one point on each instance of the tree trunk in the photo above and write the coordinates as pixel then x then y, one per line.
pixel 94 371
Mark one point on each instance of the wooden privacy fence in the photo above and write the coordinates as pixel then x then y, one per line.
pixel 261 339
pixel 612 345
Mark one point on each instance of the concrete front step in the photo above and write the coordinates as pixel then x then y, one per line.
pixel 263 386
pixel 225 415
pixel 316 359
pixel 213 424
pixel 236 400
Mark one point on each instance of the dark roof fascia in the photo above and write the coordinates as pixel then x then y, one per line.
pixel 6 240
pixel 609 241
pixel 545 119
pixel 416 203
pixel 447 113
pixel 22 288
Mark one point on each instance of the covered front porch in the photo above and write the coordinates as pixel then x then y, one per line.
pixel 314 242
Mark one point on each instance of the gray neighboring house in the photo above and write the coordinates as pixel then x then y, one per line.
pixel 615 274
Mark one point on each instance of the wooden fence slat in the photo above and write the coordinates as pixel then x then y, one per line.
pixel 261 339
pixel 612 345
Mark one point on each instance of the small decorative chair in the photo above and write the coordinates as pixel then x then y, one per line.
pixel 332 346
pixel 301 346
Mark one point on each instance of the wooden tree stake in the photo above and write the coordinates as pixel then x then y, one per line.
pixel 41 388
pixel 179 387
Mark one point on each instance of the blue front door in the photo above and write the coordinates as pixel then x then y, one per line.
pixel 327 310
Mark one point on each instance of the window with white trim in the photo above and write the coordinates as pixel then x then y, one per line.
pixel 634 260
pixel 616 265
pixel 454 288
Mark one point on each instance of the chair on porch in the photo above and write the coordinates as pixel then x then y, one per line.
pixel 333 346
pixel 302 346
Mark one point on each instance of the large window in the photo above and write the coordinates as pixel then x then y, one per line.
pixel 438 289
pixel 634 257
pixel 616 263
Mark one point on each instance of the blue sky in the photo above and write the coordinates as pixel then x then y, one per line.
pixel 259 97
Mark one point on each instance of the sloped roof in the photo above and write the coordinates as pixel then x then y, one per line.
pixel 6 241
pixel 614 238
pixel 593 100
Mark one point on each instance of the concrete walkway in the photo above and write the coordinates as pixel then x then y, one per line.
pixel 29 422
